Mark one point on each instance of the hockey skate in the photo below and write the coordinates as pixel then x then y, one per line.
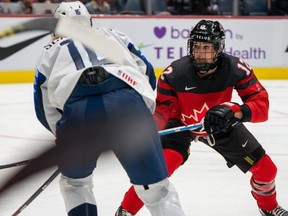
pixel 278 211
pixel 122 212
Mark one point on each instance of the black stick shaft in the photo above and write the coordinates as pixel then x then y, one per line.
pixel 46 183
pixel 19 163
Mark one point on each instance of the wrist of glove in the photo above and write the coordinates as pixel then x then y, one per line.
pixel 220 118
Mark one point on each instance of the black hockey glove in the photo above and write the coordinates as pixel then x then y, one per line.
pixel 220 118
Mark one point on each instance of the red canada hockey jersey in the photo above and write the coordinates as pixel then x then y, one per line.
pixel 182 94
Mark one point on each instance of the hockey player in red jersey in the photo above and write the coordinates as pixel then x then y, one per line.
pixel 198 88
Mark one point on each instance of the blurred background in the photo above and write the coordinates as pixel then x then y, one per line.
pixel 156 7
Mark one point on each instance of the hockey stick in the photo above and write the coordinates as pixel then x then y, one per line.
pixel 95 39
pixel 19 163
pixel 49 158
pixel 161 133
pixel 179 129
pixel 46 183
pixel 45 24
pixel 5 52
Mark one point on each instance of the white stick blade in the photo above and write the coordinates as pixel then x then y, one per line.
pixel 95 39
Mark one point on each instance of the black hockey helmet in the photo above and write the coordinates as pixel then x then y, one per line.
pixel 211 32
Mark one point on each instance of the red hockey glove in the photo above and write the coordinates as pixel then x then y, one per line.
pixel 220 118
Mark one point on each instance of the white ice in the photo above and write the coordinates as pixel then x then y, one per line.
pixel 206 186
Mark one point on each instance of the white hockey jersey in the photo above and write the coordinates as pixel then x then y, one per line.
pixel 62 63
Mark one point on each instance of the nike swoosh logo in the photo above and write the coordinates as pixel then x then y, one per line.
pixel 5 52
pixel 189 88
pixel 244 145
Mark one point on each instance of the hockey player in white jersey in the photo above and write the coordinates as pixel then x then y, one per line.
pixel 84 99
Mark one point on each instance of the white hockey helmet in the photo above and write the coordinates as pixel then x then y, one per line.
pixel 75 10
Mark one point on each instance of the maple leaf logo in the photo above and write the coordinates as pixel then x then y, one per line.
pixel 197 115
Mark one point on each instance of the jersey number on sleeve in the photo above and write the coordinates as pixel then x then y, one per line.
pixel 244 66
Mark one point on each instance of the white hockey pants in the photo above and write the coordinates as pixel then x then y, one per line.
pixel 161 199
pixel 75 192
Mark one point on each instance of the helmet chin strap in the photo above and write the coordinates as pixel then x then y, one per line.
pixel 203 68
pixel 209 71
pixel 206 74
pixel 203 71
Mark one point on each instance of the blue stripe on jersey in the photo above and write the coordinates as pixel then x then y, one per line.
pixel 65 42
pixel 94 59
pixel 92 56
pixel 74 53
pixel 150 70
pixel 38 100
pixel 77 58
pixel 78 61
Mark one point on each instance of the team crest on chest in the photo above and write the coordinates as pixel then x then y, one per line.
pixel 196 116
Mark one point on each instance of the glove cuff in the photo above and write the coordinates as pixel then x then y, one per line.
pixel 246 113
pixel 234 106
